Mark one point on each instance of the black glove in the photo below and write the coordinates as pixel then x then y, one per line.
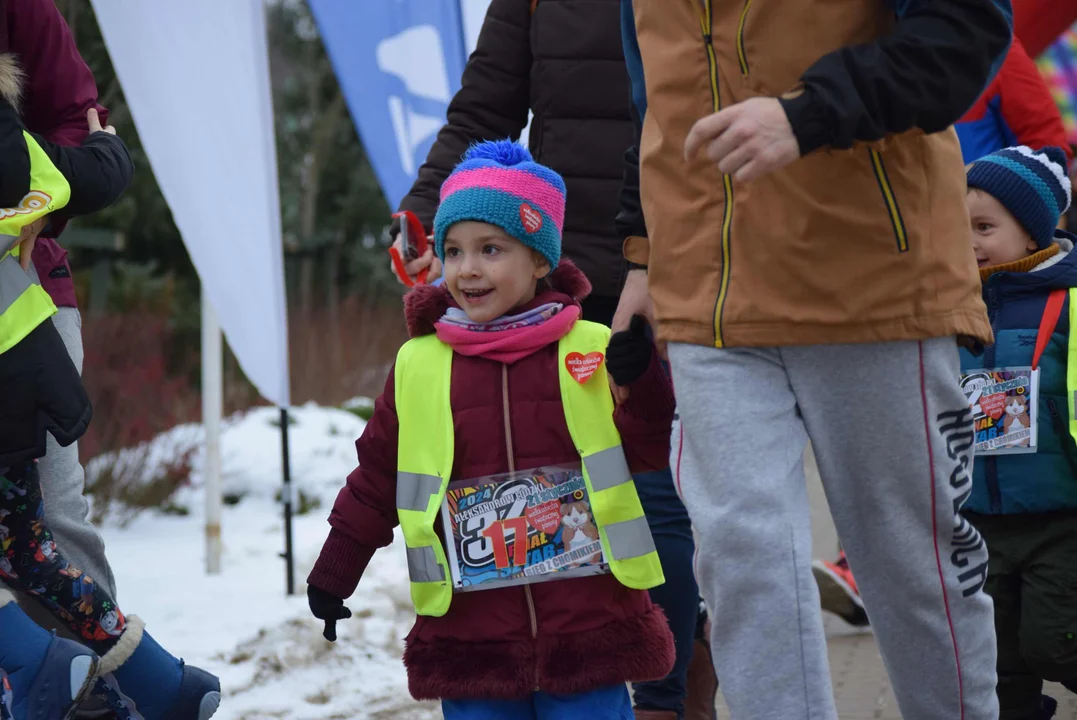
pixel 328 607
pixel 629 353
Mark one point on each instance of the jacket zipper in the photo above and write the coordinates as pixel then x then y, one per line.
pixel 727 181
pixel 892 209
pixel 741 56
pixel 991 462
pixel 512 469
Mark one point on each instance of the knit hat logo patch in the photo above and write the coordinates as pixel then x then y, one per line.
pixel 581 367
pixel 530 217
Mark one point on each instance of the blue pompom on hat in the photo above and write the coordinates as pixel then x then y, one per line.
pixel 1033 185
pixel 498 182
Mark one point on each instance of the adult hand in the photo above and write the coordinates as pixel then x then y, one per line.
pixel 95 123
pixel 26 241
pixel 746 140
pixel 413 267
pixel 328 607
pixel 635 300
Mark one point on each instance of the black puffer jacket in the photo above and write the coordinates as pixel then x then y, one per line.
pixel 561 59
pixel 40 388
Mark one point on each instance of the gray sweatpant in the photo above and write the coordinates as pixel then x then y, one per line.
pixel 62 485
pixel 892 433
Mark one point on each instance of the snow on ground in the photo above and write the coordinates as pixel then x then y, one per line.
pixel 266 648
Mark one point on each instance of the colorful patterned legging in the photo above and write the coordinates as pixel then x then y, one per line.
pixel 31 562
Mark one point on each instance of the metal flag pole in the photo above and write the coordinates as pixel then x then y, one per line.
pixel 286 498
pixel 212 401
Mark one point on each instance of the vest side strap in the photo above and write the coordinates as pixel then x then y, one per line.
pixel 13 282
pixel 607 468
pixel 630 539
pixel 414 490
pixel 423 565
pixel 1071 365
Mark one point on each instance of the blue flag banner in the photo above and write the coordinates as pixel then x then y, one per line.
pixel 399 63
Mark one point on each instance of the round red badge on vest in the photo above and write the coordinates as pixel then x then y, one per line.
pixel 531 218
pixel 581 366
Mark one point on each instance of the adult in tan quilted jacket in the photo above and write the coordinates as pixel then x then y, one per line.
pixel 806 249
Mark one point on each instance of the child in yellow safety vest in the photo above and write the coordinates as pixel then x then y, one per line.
pixel 501 378
pixel 41 675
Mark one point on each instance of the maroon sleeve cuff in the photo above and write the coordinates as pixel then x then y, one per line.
pixel 340 565
pixel 650 397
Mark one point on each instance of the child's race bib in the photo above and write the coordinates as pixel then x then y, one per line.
pixel 514 529
pixel 1004 408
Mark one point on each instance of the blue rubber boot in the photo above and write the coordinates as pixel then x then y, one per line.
pixel 153 684
pixel 44 677
pixel 63 680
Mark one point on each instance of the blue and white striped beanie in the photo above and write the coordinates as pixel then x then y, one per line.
pixel 1033 185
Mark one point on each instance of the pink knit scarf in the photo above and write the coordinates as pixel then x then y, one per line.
pixel 508 346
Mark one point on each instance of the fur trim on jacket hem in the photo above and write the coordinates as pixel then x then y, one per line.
pixel 635 649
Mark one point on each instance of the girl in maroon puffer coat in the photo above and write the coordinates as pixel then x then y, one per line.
pixel 562 649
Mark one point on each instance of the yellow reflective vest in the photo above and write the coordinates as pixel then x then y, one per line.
pixel 23 303
pixel 1071 364
pixel 425 461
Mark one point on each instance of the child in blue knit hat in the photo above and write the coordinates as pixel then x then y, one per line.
pixel 1022 496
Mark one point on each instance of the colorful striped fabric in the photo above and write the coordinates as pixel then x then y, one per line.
pixel 1058 64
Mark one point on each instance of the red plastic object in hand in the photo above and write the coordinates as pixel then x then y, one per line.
pixel 415 244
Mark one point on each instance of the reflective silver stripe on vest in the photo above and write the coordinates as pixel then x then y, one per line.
pixel 13 282
pixel 414 490
pixel 423 565
pixel 629 539
pixel 607 468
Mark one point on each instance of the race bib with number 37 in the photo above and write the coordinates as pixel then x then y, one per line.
pixel 518 528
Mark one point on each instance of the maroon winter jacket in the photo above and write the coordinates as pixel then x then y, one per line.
pixel 59 90
pixel 563 637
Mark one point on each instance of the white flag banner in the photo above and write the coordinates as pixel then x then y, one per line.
pixel 196 78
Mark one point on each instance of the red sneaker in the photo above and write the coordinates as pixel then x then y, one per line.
pixel 837 591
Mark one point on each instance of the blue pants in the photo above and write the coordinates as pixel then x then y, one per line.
pixel 610 703
pixel 679 595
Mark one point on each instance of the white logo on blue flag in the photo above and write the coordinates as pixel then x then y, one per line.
pixel 416 58
pixel 398 65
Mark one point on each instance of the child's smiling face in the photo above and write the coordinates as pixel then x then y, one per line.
pixel 489 272
pixel 997 237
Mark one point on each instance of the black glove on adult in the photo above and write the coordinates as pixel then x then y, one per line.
pixel 328 607
pixel 629 353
